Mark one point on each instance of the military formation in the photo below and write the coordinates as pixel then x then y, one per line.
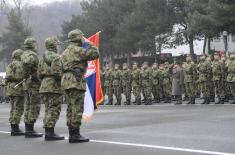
pixel 30 80
pixel 207 78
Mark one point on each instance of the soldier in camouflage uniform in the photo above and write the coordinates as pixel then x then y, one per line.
pixel 166 83
pixel 231 75
pixel 2 84
pixel 190 70
pixel 74 61
pixel 50 71
pixel 146 77
pixel 212 87
pixel 156 88
pixel 218 74
pixel 108 83
pixel 136 83
pixel 126 83
pixel 205 71
pixel 31 87
pixel 14 75
pixel 117 75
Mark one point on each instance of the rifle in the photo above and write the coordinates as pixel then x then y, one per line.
pixel 18 84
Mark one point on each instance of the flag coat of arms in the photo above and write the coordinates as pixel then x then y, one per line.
pixel 94 95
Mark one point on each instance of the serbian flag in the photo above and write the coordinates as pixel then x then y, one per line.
pixel 94 95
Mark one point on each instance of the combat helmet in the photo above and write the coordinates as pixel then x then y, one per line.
pixel 30 43
pixel 75 35
pixel 51 43
pixel 17 54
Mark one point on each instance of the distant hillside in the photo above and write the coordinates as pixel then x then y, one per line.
pixel 46 20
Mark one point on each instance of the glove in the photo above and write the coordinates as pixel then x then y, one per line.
pixel 35 78
pixel 78 73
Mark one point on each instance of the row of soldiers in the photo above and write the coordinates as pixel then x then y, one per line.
pixel 205 77
pixel 154 80
pixel 30 80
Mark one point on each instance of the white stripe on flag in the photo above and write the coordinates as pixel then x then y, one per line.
pixel 88 104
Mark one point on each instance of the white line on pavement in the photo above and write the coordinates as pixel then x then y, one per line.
pixel 163 147
pixel 153 146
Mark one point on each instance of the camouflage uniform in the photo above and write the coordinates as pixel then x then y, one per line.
pixel 2 89
pixel 231 75
pixel 74 61
pixel 117 75
pixel 14 75
pixel 205 72
pixel 218 74
pixel 146 84
pixel 50 70
pixel 31 87
pixel 190 71
pixel 166 84
pixel 136 83
pixel 126 83
pixel 156 88
pixel 108 84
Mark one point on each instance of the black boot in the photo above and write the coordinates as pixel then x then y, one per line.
pixel 118 102
pixel 208 100
pixel 222 101
pixel 50 135
pixel 169 99
pixel 149 101
pixel 179 99
pixel 158 100
pixel 128 102
pixel 138 101
pixel 75 136
pixel 193 100
pixel 15 131
pixel 30 133
pixel 212 98
pixel 190 101
pixel 110 102
pixel 226 99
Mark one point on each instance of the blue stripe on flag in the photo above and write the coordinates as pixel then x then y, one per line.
pixel 91 82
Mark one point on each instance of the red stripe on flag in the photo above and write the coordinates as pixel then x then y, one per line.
pixel 99 93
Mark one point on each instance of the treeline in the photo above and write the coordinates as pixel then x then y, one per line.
pixel 129 26
pixel 20 21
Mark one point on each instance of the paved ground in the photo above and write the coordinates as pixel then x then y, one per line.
pixel 136 130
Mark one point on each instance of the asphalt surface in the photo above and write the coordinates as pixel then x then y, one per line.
pixel 136 130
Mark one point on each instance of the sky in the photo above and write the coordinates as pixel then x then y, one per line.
pixel 37 2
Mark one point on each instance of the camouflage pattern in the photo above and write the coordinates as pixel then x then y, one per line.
pixel 205 72
pixel 108 83
pixel 2 89
pixel 218 76
pixel 14 75
pixel 165 77
pixel 156 87
pixel 231 74
pixel 116 83
pixel 75 101
pixel 50 71
pixel 53 104
pixel 136 82
pixel 146 76
pixel 190 71
pixel 31 86
pixel 126 82
pixel 74 61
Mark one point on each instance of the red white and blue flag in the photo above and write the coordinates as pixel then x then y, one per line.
pixel 94 95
